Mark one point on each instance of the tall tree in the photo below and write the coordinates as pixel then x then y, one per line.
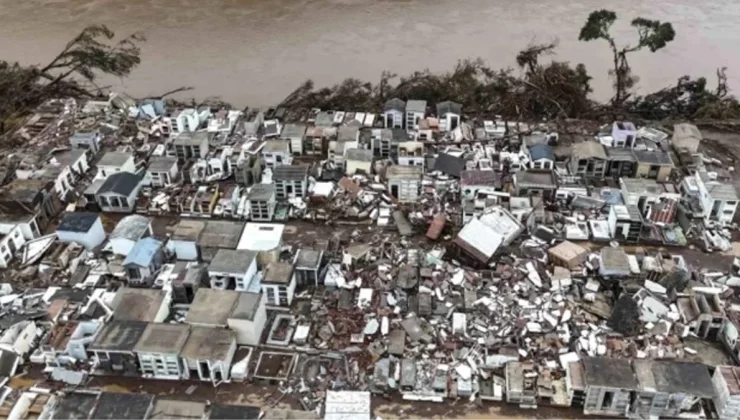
pixel 652 34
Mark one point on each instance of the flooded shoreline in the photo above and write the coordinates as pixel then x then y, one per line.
pixel 256 52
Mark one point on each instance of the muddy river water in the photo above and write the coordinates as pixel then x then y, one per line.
pixel 256 51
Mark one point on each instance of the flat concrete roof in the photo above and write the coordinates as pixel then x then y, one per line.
pixel 120 405
pixel 261 192
pixel 276 145
pixel 68 157
pixel 75 405
pixel 188 230
pixel 416 105
pixel 163 338
pixel 236 261
pixel 657 157
pixel 120 336
pixel 347 133
pixel 613 259
pixel 479 239
pixel 674 377
pixel 278 272
pixel 308 258
pixel 78 222
pixel 114 159
pixel 642 186
pixel 246 306
pixel 261 236
pixel 208 343
pixel 137 304
pixel 240 412
pixel 221 234
pixel 209 234
pixel 609 372
pixel 288 414
pixel 620 154
pixel 361 155
pixel 588 149
pixel 159 164
pixel 293 130
pixel 290 172
pixel 194 138
pixel 534 177
pixel 178 409
pixel 211 307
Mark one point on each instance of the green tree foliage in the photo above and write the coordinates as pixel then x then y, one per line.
pixel 91 53
pixel 535 89
pixel 689 98
pixel 544 90
pixel 555 88
pixel 73 72
pixel 652 34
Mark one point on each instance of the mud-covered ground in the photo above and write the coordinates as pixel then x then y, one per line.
pixel 259 396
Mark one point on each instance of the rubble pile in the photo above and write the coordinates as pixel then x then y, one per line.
pixel 405 305
pixel 329 256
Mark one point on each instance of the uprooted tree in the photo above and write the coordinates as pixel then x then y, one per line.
pixel 689 98
pixel 541 89
pixel 652 34
pixel 554 89
pixel 72 73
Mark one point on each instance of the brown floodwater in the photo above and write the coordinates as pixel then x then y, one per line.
pixel 254 52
